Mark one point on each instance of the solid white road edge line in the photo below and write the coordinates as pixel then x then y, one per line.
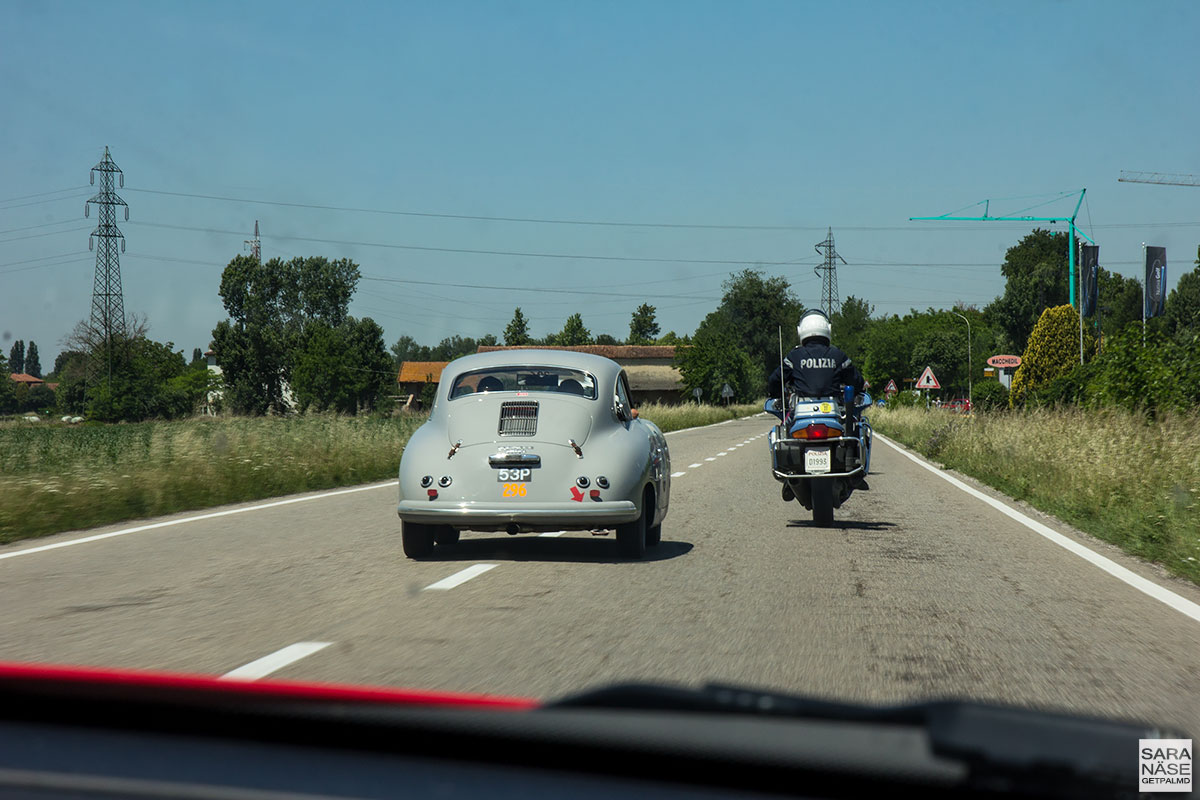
pixel 264 666
pixel 197 518
pixel 1147 587
pixel 461 577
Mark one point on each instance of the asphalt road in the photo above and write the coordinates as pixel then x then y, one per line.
pixel 919 590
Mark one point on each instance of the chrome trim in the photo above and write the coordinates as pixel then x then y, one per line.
pixel 794 475
pixel 570 514
pixel 500 459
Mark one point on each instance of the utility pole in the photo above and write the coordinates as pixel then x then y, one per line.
pixel 830 302
pixel 108 300
pixel 970 402
pixel 255 245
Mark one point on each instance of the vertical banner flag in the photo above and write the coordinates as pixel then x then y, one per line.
pixel 1089 271
pixel 1156 281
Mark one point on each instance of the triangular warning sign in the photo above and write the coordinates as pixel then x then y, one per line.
pixel 891 387
pixel 927 380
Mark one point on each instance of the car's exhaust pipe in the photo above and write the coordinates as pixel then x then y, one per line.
pixel 513 529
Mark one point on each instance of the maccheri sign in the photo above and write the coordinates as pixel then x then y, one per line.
pixel 1006 362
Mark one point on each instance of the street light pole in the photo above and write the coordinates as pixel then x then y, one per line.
pixel 964 319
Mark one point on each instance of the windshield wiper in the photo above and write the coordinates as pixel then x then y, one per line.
pixel 1006 749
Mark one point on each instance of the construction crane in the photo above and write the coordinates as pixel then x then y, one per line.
pixel 1163 178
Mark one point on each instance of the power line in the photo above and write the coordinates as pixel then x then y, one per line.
pixel 536 289
pixel 41 235
pixel 519 254
pixel 600 223
pixel 47 200
pixel 44 194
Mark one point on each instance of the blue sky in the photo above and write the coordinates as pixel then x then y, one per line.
pixel 788 114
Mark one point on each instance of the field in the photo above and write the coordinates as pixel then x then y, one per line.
pixel 55 477
pixel 58 477
pixel 1120 476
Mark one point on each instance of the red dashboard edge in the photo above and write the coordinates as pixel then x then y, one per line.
pixel 12 673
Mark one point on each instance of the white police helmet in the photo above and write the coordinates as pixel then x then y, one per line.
pixel 814 324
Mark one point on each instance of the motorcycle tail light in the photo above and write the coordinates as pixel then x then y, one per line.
pixel 816 431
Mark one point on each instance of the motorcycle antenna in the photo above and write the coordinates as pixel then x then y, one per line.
pixel 782 377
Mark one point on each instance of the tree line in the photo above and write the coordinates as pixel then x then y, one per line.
pixel 290 343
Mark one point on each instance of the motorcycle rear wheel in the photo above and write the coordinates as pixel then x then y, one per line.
pixel 822 501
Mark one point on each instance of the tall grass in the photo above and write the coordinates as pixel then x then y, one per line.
pixel 55 478
pixel 1119 475
pixel 58 477
pixel 691 415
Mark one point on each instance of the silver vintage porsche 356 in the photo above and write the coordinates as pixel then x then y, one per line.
pixel 531 441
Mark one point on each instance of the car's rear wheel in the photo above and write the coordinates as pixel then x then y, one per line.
pixel 417 539
pixel 631 537
pixel 445 536
pixel 654 535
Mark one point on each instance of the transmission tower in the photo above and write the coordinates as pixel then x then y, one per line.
pixel 108 301
pixel 830 303
pixel 255 244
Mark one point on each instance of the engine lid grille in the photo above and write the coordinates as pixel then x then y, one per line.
pixel 518 418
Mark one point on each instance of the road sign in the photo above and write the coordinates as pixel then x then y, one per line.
pixel 927 380
pixel 891 387
pixel 696 393
pixel 726 392
pixel 1007 362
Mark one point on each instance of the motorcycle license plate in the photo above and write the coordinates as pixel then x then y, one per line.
pixel 817 461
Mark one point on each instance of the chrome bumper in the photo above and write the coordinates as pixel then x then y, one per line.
pixel 569 514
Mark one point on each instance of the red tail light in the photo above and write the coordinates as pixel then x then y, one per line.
pixel 816 430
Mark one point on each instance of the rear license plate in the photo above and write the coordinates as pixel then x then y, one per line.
pixel 514 474
pixel 816 461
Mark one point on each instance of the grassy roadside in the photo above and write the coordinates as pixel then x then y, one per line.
pixel 55 478
pixel 1119 476
pixel 58 477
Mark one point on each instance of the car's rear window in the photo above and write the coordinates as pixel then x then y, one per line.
pixel 524 380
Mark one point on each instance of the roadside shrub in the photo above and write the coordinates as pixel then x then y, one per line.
pixel 1052 351
pixel 989 396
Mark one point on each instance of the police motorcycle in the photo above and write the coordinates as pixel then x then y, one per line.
pixel 820 448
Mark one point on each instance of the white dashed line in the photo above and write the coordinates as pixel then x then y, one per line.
pixel 722 453
pixel 461 577
pixel 743 444
pixel 677 474
pixel 710 459
pixel 547 535
pixel 694 466
pixel 264 666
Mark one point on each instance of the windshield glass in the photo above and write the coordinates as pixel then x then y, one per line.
pixel 524 380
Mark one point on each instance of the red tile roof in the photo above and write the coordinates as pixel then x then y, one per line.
pixel 21 377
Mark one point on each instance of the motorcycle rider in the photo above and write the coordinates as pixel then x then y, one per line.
pixel 817 369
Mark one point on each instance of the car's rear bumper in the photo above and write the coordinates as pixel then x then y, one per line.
pixel 568 515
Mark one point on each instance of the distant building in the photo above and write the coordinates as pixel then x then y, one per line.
pixel 27 380
pixel 653 378
pixel 414 376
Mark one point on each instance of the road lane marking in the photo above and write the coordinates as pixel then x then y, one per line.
pixel 713 425
pixel 262 667
pixel 710 459
pixel 723 453
pixel 1147 587
pixel 677 474
pixel 693 466
pixel 199 517
pixel 547 535
pixel 461 577
pixel 743 444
